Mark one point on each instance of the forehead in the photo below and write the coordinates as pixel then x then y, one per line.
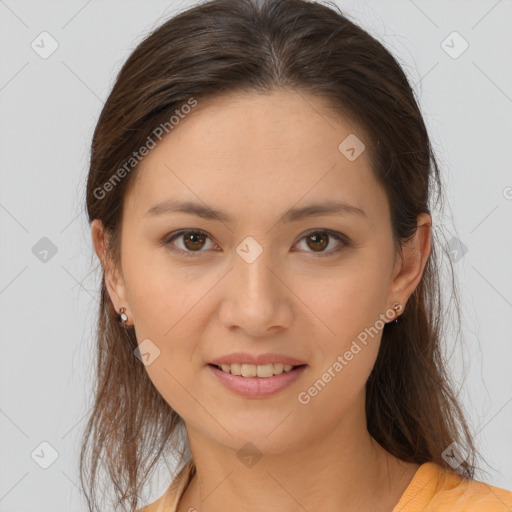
pixel 257 149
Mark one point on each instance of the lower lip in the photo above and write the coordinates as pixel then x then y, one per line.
pixel 257 387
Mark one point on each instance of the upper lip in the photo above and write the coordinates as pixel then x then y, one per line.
pixel 260 359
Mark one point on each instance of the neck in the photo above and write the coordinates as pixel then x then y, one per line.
pixel 343 467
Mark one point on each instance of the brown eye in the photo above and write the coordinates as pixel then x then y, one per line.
pixel 319 241
pixel 194 241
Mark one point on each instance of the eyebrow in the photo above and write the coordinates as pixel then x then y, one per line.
pixel 291 215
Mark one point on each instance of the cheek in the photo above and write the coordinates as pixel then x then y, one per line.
pixel 166 306
pixel 161 294
pixel 349 306
pixel 345 302
pixel 346 351
pixel 170 308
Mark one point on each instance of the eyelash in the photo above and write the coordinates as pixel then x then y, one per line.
pixel 345 241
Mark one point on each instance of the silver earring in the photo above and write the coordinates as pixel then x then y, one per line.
pixel 397 307
pixel 123 316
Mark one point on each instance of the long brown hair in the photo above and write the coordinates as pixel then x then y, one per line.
pixel 229 46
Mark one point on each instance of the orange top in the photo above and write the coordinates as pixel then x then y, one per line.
pixel 432 489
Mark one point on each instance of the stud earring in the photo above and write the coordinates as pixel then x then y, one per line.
pixel 123 317
pixel 397 307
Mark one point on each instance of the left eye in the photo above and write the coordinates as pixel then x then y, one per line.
pixel 320 240
pixel 193 241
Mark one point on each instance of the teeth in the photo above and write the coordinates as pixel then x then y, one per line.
pixel 252 370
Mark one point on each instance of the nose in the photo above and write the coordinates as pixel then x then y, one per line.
pixel 257 298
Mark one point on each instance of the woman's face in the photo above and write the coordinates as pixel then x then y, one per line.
pixel 259 280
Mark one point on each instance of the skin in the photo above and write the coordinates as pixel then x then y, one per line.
pixel 255 156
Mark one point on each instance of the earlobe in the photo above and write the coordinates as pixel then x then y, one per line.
pixel 113 279
pixel 414 256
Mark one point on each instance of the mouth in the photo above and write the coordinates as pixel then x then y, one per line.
pixel 263 371
pixel 257 381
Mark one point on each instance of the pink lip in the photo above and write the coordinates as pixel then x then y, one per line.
pixel 257 387
pixel 261 359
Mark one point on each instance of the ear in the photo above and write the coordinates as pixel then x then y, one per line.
pixel 412 260
pixel 113 277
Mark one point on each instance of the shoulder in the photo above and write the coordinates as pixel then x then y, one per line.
pixel 436 489
pixel 471 496
pixel 168 502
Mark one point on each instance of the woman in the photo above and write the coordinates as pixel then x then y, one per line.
pixel 260 196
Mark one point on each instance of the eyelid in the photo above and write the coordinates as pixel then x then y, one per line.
pixel 339 237
pixel 170 237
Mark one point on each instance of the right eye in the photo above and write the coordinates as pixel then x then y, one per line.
pixel 193 241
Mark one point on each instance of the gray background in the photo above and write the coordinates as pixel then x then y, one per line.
pixel 48 302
